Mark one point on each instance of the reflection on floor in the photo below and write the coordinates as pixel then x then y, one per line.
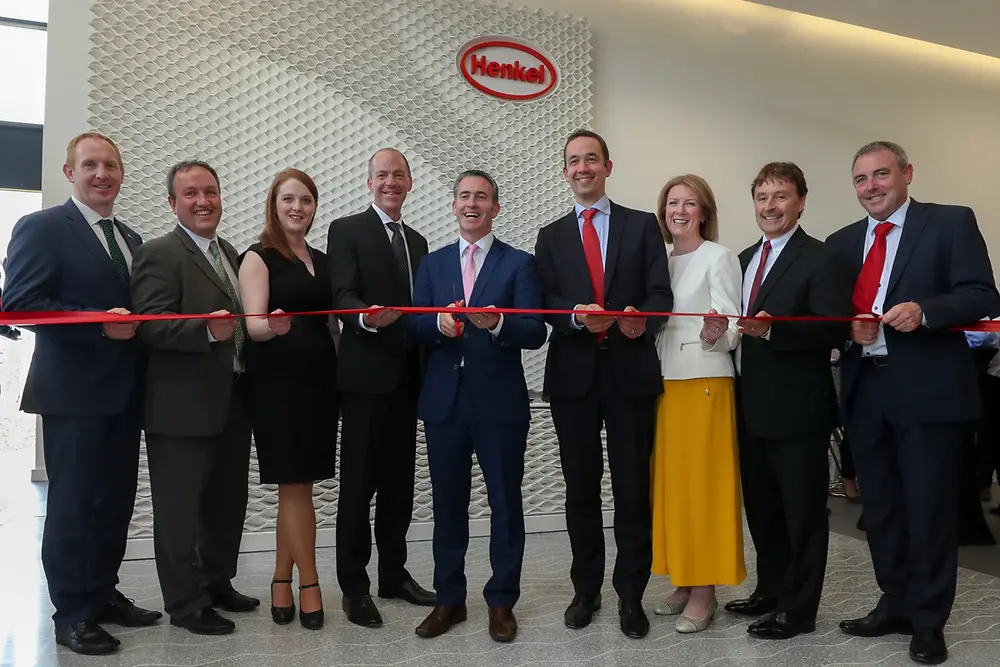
pixel 26 637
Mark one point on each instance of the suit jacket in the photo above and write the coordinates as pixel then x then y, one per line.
pixel 56 263
pixel 636 273
pixel 494 376
pixel 189 380
pixel 786 385
pixel 943 265
pixel 712 279
pixel 360 257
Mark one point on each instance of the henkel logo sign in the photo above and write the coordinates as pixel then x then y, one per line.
pixel 508 68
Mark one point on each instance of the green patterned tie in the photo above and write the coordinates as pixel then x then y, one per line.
pixel 115 250
pixel 240 333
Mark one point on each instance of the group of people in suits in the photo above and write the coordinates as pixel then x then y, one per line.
pixel 701 415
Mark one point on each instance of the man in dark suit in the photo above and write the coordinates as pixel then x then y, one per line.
pixel 602 256
pixel 786 403
pixel 373 257
pixel 197 428
pixel 86 383
pixel 474 398
pixel 909 389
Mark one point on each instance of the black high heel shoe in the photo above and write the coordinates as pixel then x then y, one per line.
pixel 282 615
pixel 310 620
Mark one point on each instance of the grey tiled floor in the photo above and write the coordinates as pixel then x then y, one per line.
pixel 26 639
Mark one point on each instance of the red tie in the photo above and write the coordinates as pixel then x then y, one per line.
pixel 866 288
pixel 592 251
pixel 765 252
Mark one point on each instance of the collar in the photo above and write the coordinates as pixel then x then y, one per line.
pixel 200 241
pixel 780 242
pixel 484 244
pixel 90 215
pixel 603 205
pixel 897 218
pixel 384 217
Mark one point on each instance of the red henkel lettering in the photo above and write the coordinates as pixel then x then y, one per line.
pixel 513 71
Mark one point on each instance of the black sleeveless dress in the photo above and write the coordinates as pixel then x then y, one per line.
pixel 292 378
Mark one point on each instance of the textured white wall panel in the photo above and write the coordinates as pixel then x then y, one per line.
pixel 256 86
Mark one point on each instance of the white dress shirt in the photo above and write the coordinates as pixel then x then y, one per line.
pixel 93 217
pixel 384 217
pixel 203 245
pixel 602 223
pixel 879 348
pixel 777 245
pixel 707 278
pixel 484 244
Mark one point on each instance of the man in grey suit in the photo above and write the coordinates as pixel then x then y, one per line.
pixel 197 427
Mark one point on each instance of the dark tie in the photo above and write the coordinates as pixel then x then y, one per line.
pixel 115 250
pixel 866 289
pixel 765 252
pixel 595 265
pixel 399 251
pixel 220 269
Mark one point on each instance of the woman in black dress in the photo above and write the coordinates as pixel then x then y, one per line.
pixel 291 367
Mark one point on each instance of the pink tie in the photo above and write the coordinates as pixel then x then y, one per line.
pixel 469 274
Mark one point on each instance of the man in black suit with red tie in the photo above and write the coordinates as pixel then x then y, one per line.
pixel 909 389
pixel 604 371
pixel 373 258
pixel 787 403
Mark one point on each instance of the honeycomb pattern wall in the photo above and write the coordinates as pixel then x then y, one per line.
pixel 256 86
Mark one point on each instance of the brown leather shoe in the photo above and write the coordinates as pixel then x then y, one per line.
pixel 440 620
pixel 503 625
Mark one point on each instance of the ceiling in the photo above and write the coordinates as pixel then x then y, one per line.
pixel 970 25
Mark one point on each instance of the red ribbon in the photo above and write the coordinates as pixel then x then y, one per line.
pixel 28 318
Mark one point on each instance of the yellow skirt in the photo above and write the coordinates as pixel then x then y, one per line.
pixel 697 514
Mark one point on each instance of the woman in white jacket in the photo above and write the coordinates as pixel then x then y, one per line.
pixel 697 515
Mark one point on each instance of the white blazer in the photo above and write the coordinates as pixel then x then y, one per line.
pixel 710 277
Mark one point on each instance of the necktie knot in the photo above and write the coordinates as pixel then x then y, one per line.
pixel 588 215
pixel 394 227
pixel 882 229
pixel 767 246
pixel 106 225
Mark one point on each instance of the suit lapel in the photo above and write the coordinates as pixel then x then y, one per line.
pixel 89 240
pixel 856 244
pixel 913 228
pixel 200 260
pixel 569 238
pixel 453 271
pixel 497 250
pixel 616 228
pixel 787 257
pixel 130 238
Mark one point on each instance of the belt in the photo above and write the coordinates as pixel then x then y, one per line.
pixel 878 361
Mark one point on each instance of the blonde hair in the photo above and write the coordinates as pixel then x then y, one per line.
pixel 71 148
pixel 709 227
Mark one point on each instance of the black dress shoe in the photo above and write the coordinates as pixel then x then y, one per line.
pixel 581 610
pixel 230 600
pixel 120 610
pixel 409 591
pixel 310 620
pixel 204 622
pixel 632 619
pixel 781 625
pixel 755 605
pixel 361 610
pixel 928 647
pixel 877 624
pixel 87 638
pixel 281 615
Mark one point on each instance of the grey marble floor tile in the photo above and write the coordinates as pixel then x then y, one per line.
pixel 26 637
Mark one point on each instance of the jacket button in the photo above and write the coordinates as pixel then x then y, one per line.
pixel 465 335
pixel 454 367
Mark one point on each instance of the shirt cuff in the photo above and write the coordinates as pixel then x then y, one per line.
pixel 211 338
pixel 361 321
pixel 496 330
pixel 572 320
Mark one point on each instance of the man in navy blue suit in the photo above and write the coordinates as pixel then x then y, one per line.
pixel 85 382
pixel 474 399
pixel 909 389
